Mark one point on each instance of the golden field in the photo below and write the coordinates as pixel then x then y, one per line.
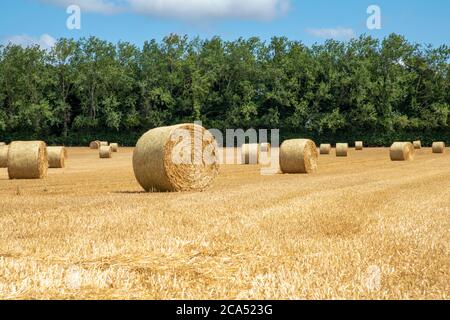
pixel 363 227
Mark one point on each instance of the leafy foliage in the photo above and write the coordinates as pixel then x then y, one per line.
pixel 367 89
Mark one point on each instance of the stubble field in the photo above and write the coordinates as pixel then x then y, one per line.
pixel 363 227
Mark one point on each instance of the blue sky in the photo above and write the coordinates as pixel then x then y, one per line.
pixel 42 21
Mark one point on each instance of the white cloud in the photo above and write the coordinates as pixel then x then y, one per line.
pixel 210 9
pixel 97 6
pixel 186 9
pixel 338 33
pixel 45 41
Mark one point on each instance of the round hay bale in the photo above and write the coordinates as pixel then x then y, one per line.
pixel 341 149
pixel 4 156
pixel 265 154
pixel 104 143
pixel 178 158
pixel 265 147
pixel 94 145
pixel 438 147
pixel 115 147
pixel 417 145
pixel 27 160
pixel 56 157
pixel 359 145
pixel 402 151
pixel 2 144
pixel 250 153
pixel 325 148
pixel 298 156
pixel 105 152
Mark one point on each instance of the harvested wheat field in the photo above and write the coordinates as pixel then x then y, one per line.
pixel 361 227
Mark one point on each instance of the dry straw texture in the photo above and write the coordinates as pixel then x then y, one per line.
pixel 417 145
pixel 56 157
pixel 177 158
pixel 341 149
pixel 4 156
pixel 298 156
pixel 105 152
pixel 359 145
pixel 325 148
pixel 115 147
pixel 2 144
pixel 250 153
pixel 104 143
pixel 94 145
pixel 438 147
pixel 27 160
pixel 402 151
pixel 90 233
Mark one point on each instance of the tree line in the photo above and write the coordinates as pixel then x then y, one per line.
pixel 364 89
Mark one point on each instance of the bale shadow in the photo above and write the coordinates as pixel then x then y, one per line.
pixel 143 192
pixel 131 192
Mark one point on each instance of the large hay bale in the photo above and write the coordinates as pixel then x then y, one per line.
pixel 114 147
pixel 438 147
pixel 4 156
pixel 178 158
pixel 298 156
pixel 104 143
pixel 359 145
pixel 2 144
pixel 27 160
pixel 56 157
pixel 94 145
pixel 341 149
pixel 417 145
pixel 250 153
pixel 402 151
pixel 325 148
pixel 105 152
